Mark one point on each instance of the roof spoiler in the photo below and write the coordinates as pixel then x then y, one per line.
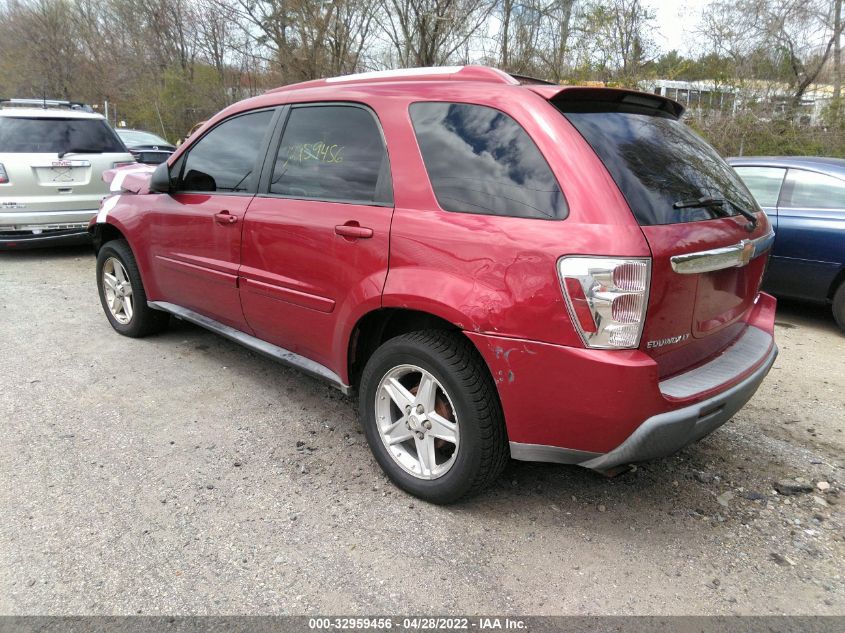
pixel 588 99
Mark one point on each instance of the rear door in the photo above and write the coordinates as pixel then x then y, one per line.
pixel 316 238
pixel 810 245
pixel 196 229
pixel 708 258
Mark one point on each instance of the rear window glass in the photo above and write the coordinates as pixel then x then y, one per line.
pixel 139 137
pixel 19 135
pixel 480 160
pixel 657 161
pixel 332 153
pixel 763 182
pixel 809 189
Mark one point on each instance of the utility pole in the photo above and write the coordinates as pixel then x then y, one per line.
pixel 837 57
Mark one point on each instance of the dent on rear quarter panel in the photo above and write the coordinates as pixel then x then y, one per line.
pixel 495 274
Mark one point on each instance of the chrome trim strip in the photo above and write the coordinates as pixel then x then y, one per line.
pixel 742 355
pixel 552 454
pixel 734 256
pixel 280 354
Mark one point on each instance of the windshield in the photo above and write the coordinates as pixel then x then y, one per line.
pixel 22 135
pixel 138 137
pixel 662 167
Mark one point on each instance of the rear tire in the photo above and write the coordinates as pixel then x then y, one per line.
pixel 122 292
pixel 839 306
pixel 431 415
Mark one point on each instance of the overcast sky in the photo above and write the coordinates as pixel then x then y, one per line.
pixel 676 21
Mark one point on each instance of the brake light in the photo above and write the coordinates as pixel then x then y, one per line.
pixel 4 177
pixel 124 163
pixel 606 298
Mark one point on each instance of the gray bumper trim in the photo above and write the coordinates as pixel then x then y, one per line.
pixel 659 435
pixel 746 352
pixel 554 454
pixel 667 433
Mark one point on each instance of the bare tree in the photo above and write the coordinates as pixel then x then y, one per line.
pixel 431 32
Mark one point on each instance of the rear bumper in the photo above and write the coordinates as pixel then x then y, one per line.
pixel 602 409
pixel 27 220
pixel 45 228
pixel 24 240
pixel 660 435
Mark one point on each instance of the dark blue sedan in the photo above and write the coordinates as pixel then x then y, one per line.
pixel 804 198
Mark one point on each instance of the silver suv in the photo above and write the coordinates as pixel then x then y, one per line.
pixel 52 157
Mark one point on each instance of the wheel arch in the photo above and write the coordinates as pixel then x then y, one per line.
pixel 838 280
pixel 103 232
pixel 379 325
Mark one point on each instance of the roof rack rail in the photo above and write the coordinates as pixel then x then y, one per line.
pixel 432 73
pixel 47 103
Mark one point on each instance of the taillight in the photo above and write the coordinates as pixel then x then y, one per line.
pixel 606 298
pixel 123 163
pixel 4 177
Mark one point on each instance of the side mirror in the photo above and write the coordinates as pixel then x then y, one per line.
pixel 160 180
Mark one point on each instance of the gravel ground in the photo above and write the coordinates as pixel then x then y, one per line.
pixel 182 474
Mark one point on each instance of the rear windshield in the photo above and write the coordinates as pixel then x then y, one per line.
pixel 139 137
pixel 20 135
pixel 658 162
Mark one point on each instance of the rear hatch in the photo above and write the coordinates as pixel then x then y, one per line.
pixel 55 163
pixel 707 235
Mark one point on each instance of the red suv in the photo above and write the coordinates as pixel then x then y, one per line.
pixel 499 268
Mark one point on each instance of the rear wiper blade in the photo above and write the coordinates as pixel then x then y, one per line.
pixel 708 202
pixel 702 202
pixel 80 150
pixel 752 219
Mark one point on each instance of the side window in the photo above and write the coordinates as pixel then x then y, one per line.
pixel 332 153
pixel 814 190
pixel 480 160
pixel 224 159
pixel 763 183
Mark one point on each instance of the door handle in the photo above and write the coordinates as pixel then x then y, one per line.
pixel 353 231
pixel 224 217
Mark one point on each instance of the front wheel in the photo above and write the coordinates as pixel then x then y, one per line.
pixel 122 292
pixel 432 416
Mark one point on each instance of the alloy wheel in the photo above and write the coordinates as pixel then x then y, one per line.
pixel 417 422
pixel 118 290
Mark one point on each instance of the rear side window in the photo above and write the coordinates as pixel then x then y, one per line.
pixel 657 161
pixel 809 189
pixel 763 182
pixel 21 135
pixel 480 160
pixel 333 153
pixel 224 160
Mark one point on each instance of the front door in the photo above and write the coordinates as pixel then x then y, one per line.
pixel 316 237
pixel 197 228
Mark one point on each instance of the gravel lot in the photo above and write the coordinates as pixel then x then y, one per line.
pixel 182 474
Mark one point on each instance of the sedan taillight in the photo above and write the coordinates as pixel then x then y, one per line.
pixel 606 298
pixel 4 177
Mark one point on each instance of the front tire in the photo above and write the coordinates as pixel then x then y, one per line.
pixel 432 416
pixel 839 306
pixel 122 292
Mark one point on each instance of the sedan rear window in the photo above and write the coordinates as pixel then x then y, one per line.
pixel 37 135
pixel 658 162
